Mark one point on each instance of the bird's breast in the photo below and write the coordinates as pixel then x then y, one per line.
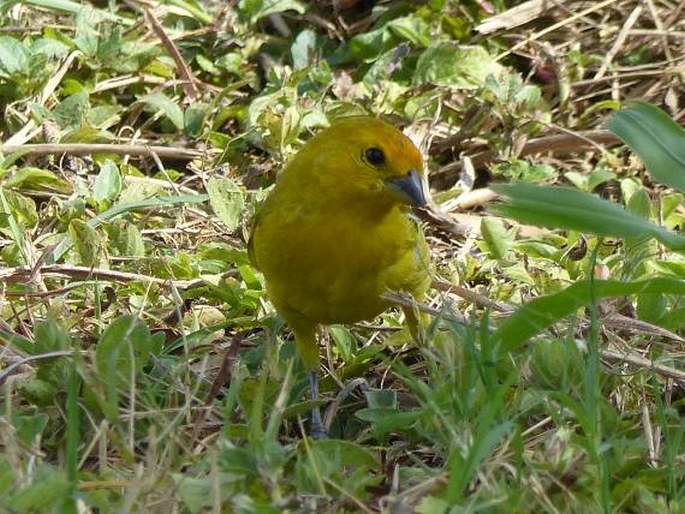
pixel 334 269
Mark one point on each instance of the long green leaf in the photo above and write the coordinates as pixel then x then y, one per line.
pixel 656 139
pixel 570 209
pixel 547 310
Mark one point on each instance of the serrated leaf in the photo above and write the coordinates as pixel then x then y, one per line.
pixel 86 37
pixel 227 200
pixel 452 65
pixel 14 57
pixel 656 139
pixel 50 47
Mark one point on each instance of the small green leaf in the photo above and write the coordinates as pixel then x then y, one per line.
pixel 28 427
pixel 86 242
pixel 253 10
pixel 50 336
pixel 161 102
pixel 37 392
pixel 107 183
pixel 194 118
pixel 17 209
pixel 227 200
pixel 498 238
pixel 122 208
pixel 86 38
pixel 303 49
pixel 71 112
pixel 14 57
pixel 125 240
pixel 413 29
pixel 37 179
pixel 381 398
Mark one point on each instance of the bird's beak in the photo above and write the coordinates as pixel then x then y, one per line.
pixel 410 188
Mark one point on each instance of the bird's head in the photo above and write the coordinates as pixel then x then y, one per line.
pixel 366 158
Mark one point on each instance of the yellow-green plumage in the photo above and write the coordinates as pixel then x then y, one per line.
pixel 335 233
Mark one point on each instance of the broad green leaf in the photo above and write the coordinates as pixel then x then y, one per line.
pixel 452 65
pixel 498 238
pixel 14 57
pixel 344 463
pixel 38 392
pixel 50 336
pixel 125 239
pixel 194 118
pixel 37 179
pixel 303 49
pixel 227 200
pixel 86 242
pixel 161 102
pixel 86 38
pixel 71 111
pixel 656 139
pixel 253 10
pixel 17 211
pixel 381 398
pixel 107 183
pixel 28 427
pixel 50 47
pixel 126 345
pixel 413 29
pixel 566 208
pixel 103 116
pixel 547 310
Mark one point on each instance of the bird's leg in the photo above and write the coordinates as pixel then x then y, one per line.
pixel 317 429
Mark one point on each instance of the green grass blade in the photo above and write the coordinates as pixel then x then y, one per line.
pixel 570 209
pixel 547 310
pixel 656 139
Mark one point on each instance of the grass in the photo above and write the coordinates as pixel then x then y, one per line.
pixel 142 367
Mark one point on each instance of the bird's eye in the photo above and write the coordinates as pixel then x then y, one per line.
pixel 374 156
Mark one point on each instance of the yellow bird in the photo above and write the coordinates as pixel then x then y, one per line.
pixel 335 233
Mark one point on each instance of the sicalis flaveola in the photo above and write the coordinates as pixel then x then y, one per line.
pixel 335 233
